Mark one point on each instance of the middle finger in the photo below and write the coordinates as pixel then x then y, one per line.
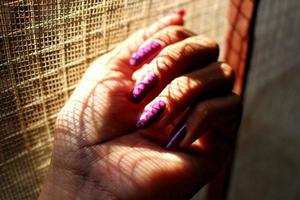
pixel 173 61
pixel 185 91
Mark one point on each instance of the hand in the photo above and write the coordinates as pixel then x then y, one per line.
pixel 99 153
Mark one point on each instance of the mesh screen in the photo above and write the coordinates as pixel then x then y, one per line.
pixel 46 47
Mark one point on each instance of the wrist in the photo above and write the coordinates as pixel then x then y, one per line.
pixel 56 185
pixel 63 184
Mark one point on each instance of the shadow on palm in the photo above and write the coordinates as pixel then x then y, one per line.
pixel 140 168
pixel 97 141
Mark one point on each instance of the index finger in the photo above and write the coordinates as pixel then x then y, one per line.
pixel 133 42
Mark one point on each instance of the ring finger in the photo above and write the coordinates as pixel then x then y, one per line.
pixel 173 61
pixel 185 91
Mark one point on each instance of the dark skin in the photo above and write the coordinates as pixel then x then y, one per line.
pixel 99 153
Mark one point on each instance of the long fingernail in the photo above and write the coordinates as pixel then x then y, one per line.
pixel 145 52
pixel 151 114
pixel 143 87
pixel 177 137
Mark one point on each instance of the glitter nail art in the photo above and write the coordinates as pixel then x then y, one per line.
pixel 151 114
pixel 143 53
pixel 143 87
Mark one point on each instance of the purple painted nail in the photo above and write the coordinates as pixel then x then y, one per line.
pixel 151 114
pixel 143 87
pixel 143 53
pixel 177 137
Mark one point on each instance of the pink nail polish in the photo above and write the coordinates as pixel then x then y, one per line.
pixel 151 114
pixel 177 137
pixel 143 87
pixel 143 53
pixel 179 132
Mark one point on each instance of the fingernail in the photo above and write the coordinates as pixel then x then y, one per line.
pixel 180 12
pixel 143 53
pixel 143 87
pixel 151 114
pixel 177 137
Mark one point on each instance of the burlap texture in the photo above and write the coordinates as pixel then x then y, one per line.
pixel 46 45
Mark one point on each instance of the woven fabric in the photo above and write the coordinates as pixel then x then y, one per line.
pixel 267 163
pixel 237 54
pixel 241 20
pixel 46 45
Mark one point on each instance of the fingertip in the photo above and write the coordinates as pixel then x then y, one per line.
pixel 174 18
pixel 180 12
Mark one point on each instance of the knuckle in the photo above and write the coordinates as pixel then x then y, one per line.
pixel 174 33
pixel 204 109
pixel 179 88
pixel 228 71
pixel 165 61
pixel 177 52
pixel 207 43
pixel 182 88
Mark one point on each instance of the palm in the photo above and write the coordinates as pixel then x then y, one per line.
pixel 113 151
pixel 140 168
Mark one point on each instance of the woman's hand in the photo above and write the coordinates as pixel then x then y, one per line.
pixel 114 139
